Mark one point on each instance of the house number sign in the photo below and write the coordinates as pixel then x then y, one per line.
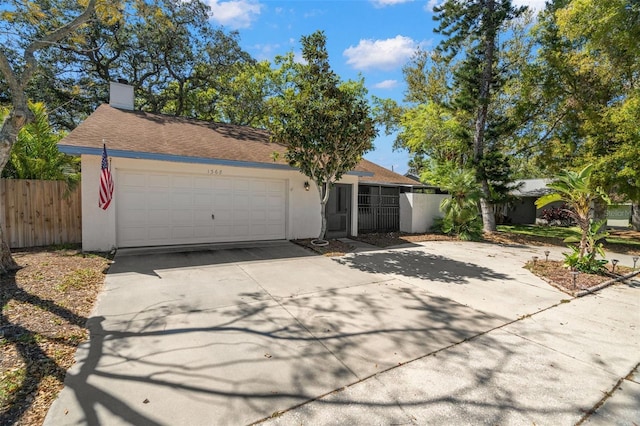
pixel 214 172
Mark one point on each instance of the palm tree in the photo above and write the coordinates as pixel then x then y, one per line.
pixel 461 209
pixel 574 188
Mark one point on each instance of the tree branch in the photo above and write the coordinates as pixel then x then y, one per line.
pixel 53 37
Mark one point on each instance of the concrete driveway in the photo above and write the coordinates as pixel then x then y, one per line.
pixel 436 333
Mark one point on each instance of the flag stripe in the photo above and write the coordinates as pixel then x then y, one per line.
pixel 106 182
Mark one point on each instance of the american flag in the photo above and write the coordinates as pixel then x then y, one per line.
pixel 106 181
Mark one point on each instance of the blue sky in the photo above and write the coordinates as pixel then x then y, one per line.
pixel 372 38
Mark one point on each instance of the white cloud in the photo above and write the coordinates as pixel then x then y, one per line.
pixel 386 84
pixel 266 50
pixel 384 3
pixel 383 54
pixel 235 13
pixel 535 5
pixel 433 3
pixel 314 12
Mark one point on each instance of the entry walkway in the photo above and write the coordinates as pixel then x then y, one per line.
pixel 434 333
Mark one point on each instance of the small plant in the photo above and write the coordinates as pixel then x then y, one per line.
pixel 583 257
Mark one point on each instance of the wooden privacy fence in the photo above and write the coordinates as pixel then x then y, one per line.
pixel 39 213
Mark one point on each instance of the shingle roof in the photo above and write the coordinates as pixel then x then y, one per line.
pixel 138 131
pixel 142 132
pixel 382 176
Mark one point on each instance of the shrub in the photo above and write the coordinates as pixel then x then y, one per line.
pixel 592 242
pixel 558 216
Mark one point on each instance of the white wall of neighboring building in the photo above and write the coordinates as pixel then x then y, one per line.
pixel 418 211
pixel 99 226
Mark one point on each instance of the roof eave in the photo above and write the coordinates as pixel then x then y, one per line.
pixel 84 150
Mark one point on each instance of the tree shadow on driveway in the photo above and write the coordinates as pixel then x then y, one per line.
pixel 240 364
pixel 419 264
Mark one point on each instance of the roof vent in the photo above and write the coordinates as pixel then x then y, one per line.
pixel 121 95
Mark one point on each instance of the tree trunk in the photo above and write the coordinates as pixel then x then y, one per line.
pixel 488 216
pixel 635 215
pixel 11 125
pixel 7 264
pixel 323 189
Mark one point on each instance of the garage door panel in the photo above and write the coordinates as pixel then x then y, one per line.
pixel 132 179
pixel 182 232
pixel 155 216
pixel 241 217
pixel 182 217
pixel 240 185
pixel 163 209
pixel 182 182
pixel 156 200
pixel 223 199
pixel 222 183
pixel 203 200
pixel 241 202
pixel 157 233
pixel 157 181
pixel 258 186
pixel 181 199
pixel 136 233
pixel 203 183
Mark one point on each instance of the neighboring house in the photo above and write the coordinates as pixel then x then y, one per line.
pixel 184 181
pixel 524 210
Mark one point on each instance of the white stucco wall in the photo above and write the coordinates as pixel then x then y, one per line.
pixel 99 226
pixel 417 211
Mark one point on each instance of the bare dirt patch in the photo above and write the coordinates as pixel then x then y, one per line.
pixel 45 306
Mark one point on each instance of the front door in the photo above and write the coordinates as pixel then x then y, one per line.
pixel 339 211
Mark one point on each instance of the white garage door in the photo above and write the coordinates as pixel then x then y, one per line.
pixel 163 209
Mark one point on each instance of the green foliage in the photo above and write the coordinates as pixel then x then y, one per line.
pixel 583 88
pixel 587 262
pixel 575 189
pixel 461 209
pixel 459 108
pixel 325 124
pixel 169 50
pixel 35 153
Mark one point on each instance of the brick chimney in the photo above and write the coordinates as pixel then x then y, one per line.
pixel 121 95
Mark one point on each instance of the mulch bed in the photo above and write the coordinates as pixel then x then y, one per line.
pixel 45 306
pixel 556 274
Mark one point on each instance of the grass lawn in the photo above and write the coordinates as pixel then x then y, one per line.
pixel 624 238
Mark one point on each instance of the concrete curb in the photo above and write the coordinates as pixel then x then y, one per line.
pixel 606 284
